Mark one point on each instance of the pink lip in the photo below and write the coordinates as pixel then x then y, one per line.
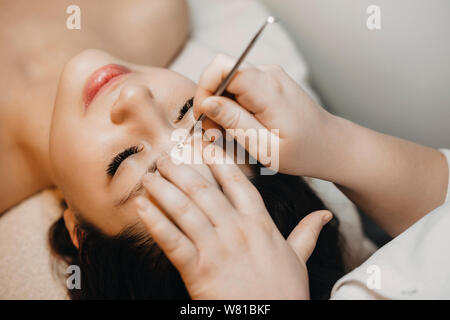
pixel 100 78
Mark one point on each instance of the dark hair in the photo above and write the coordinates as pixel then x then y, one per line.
pixel 131 265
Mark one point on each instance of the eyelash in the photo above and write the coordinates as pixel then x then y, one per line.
pixel 185 109
pixel 118 159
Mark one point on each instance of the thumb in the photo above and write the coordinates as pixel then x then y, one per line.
pixel 228 113
pixel 304 237
pixel 240 124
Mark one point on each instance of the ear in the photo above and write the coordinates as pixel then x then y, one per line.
pixel 70 222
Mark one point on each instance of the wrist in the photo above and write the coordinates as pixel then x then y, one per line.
pixel 332 152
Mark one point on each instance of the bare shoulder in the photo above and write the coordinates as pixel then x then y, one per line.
pixel 18 179
pixel 140 31
pixel 37 44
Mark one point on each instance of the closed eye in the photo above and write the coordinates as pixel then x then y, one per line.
pixel 184 109
pixel 118 159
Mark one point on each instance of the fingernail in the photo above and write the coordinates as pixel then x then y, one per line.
pixel 141 147
pixel 212 107
pixel 326 218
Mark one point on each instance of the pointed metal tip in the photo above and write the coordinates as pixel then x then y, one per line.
pixel 271 19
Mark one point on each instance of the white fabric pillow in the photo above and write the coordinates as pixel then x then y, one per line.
pixel 26 268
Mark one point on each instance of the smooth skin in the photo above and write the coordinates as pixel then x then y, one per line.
pixel 226 247
pixel 394 181
pixel 35 47
pixel 138 110
pixel 224 242
pixel 230 229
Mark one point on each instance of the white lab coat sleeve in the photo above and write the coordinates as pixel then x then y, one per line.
pixel 414 265
pixel 446 152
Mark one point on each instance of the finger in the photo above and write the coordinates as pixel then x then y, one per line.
pixel 228 113
pixel 177 247
pixel 216 72
pixel 204 194
pixel 304 237
pixel 235 184
pixel 241 125
pixel 188 217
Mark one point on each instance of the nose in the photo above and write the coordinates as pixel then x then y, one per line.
pixel 137 111
pixel 133 102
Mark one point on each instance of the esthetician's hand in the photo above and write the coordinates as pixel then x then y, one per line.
pixel 224 243
pixel 267 98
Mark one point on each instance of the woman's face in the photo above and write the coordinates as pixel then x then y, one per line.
pixel 111 121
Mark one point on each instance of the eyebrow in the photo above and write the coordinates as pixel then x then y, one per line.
pixel 138 187
pixel 133 192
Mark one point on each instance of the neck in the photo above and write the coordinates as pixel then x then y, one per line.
pixel 32 130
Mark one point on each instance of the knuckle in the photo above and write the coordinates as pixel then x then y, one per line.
pixel 222 59
pixel 182 208
pixel 238 178
pixel 278 86
pixel 173 243
pixel 206 264
pixel 205 268
pixel 272 76
pixel 231 119
pixel 314 234
pixel 240 239
pixel 254 72
pixel 271 68
pixel 158 227
pixel 265 224
pixel 274 69
pixel 277 69
pixel 197 188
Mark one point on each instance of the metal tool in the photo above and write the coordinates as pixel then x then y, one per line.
pixel 221 89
